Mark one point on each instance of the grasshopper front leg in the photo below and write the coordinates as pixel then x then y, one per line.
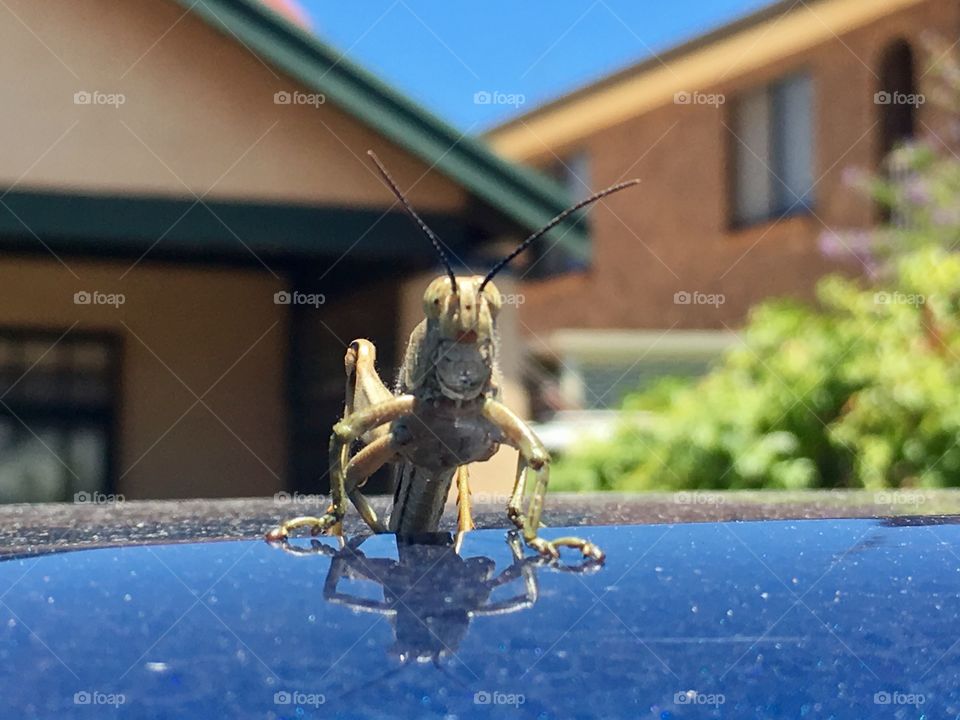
pixel 533 458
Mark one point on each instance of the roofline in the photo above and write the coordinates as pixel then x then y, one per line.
pixel 782 7
pixel 795 31
pixel 521 194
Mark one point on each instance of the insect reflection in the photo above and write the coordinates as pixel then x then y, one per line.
pixel 430 593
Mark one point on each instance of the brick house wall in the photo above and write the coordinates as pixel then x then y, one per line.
pixel 673 233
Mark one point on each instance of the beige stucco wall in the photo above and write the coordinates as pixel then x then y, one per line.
pixel 198 118
pixel 199 114
pixel 182 328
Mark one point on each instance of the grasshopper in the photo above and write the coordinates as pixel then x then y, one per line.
pixel 445 414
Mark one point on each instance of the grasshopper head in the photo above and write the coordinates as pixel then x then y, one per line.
pixel 462 311
pixel 464 316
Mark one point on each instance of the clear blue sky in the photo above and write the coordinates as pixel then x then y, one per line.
pixel 441 53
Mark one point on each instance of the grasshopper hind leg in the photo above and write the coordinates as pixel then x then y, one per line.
pixel 364 386
pixel 361 466
pixel 364 390
pixel 464 506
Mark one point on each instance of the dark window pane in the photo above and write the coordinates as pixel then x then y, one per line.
pixel 773 150
pixel 57 414
pixel 793 100
pixel 30 468
pixel 549 257
pixel 753 157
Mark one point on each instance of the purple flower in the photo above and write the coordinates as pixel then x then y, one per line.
pixel 854 177
pixel 855 245
pixel 946 216
pixel 916 191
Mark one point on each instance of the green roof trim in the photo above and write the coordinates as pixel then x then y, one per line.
pixel 129 226
pixel 521 194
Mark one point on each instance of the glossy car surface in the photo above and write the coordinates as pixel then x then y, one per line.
pixel 769 619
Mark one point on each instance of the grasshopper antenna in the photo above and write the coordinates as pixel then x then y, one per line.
pixel 552 224
pixel 416 218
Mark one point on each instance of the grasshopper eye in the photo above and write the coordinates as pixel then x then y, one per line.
pixel 432 307
pixel 433 297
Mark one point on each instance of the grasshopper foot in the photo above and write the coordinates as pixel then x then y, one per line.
pixel 277 535
pixel 551 549
pixel 546 548
pixel 329 523
pixel 592 552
